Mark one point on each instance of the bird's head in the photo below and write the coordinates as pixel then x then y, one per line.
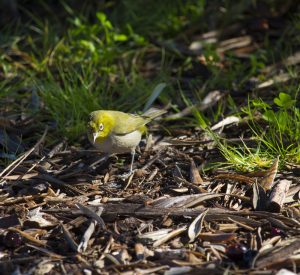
pixel 100 125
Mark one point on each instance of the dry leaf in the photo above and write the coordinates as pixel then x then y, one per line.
pixel 169 236
pixel 281 256
pixel 155 235
pixel 196 226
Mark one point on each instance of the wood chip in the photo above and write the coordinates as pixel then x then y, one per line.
pixel 278 194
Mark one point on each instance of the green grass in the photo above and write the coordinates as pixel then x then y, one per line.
pixel 275 131
pixel 280 132
pixel 93 66
pixel 71 96
pixel 243 158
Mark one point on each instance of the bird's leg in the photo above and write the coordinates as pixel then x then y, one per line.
pixel 127 175
pixel 132 161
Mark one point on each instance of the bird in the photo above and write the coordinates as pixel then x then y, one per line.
pixel 116 132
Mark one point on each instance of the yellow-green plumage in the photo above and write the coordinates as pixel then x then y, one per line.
pixel 118 132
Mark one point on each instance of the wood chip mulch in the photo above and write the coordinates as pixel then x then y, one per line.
pixel 66 210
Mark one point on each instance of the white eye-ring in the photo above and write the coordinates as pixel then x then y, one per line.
pixel 101 127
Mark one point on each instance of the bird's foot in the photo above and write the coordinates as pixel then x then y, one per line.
pixel 126 175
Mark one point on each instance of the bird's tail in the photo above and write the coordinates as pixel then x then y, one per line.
pixel 153 113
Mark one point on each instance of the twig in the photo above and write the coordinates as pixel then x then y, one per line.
pixel 90 213
pixel 60 183
pixel 70 241
pixel 28 237
pixel 18 161
pixel 88 233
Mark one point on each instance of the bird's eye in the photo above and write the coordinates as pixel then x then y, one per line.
pixel 101 127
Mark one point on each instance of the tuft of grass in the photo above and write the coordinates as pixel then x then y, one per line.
pixel 276 130
pixel 242 157
pixel 277 127
pixel 70 96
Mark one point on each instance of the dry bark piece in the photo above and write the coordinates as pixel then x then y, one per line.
pixel 236 177
pixel 268 180
pixel 180 190
pixel 280 257
pixel 217 237
pixel 68 188
pixel 228 227
pixel 293 195
pixel 185 201
pixel 278 194
pixel 194 174
pixel 284 271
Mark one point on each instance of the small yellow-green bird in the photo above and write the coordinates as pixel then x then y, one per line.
pixel 115 132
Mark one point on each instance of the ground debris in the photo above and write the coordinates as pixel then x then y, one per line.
pixel 65 209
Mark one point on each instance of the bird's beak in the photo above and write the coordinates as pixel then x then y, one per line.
pixel 95 135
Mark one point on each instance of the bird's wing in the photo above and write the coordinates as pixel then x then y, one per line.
pixel 127 123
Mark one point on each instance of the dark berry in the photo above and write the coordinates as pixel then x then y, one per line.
pixel 248 257
pixel 276 232
pixel 12 239
pixel 236 252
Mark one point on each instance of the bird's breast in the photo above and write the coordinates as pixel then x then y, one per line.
pixel 119 143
